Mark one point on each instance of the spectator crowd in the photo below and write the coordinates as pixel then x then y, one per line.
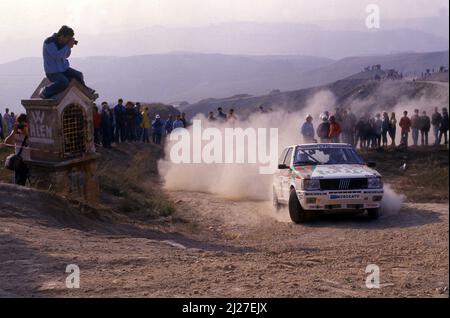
pixel 7 122
pixel 378 131
pixel 131 123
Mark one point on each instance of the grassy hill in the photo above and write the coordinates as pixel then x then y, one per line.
pixel 129 182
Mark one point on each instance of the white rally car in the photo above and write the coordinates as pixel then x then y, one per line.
pixel 322 178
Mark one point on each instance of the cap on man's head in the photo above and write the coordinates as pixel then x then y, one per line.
pixel 158 117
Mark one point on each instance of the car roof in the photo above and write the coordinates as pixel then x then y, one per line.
pixel 322 145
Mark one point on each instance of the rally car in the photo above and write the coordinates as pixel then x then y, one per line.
pixel 324 178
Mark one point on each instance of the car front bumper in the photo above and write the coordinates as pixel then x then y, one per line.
pixel 349 200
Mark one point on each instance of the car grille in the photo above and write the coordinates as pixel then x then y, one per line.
pixel 344 184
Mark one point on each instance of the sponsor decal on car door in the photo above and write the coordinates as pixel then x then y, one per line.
pixel 286 175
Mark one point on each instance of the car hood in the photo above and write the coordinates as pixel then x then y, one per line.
pixel 335 172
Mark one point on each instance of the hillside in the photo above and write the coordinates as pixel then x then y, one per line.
pixel 165 77
pixel 191 77
pixel 406 63
pixel 358 94
pixel 438 77
pixel 146 242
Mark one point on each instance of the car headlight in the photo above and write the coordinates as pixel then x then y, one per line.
pixel 374 183
pixel 311 184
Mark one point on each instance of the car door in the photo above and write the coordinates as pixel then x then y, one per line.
pixel 286 175
pixel 279 175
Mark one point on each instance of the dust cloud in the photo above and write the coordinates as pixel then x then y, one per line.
pixel 242 181
pixel 392 201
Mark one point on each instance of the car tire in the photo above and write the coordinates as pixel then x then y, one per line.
pixel 373 214
pixel 276 204
pixel 296 211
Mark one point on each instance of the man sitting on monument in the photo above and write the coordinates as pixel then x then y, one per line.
pixel 56 52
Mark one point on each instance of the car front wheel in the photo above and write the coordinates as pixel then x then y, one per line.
pixel 296 211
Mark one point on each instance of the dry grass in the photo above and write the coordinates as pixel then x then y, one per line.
pixel 426 178
pixel 130 172
pixel 128 178
pixel 5 175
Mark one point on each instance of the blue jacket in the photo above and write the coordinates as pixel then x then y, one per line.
pixel 157 126
pixel 139 118
pixel 378 126
pixel 178 124
pixel 169 126
pixel 55 56
pixel 119 114
pixel 106 122
pixel 308 130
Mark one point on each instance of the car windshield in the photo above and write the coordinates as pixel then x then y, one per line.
pixel 326 156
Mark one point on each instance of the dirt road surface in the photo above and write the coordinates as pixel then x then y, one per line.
pixel 225 249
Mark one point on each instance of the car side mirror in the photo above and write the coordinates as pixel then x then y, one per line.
pixel 282 167
pixel 371 164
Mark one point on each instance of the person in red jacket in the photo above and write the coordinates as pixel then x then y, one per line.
pixel 335 130
pixel 405 125
pixel 97 124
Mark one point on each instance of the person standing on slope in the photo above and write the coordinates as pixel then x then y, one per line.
pixel 307 130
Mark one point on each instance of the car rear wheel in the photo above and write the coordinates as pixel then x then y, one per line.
pixel 296 211
pixel 373 214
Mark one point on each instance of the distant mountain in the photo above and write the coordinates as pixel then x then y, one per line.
pixel 437 25
pixel 251 38
pixel 331 39
pixel 359 94
pixel 409 64
pixel 166 77
pixel 176 77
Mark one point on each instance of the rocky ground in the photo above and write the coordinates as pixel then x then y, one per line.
pixel 213 247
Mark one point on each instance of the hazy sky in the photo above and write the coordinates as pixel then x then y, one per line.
pixel 29 17
pixel 25 23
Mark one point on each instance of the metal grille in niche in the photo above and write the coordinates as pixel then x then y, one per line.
pixel 74 131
